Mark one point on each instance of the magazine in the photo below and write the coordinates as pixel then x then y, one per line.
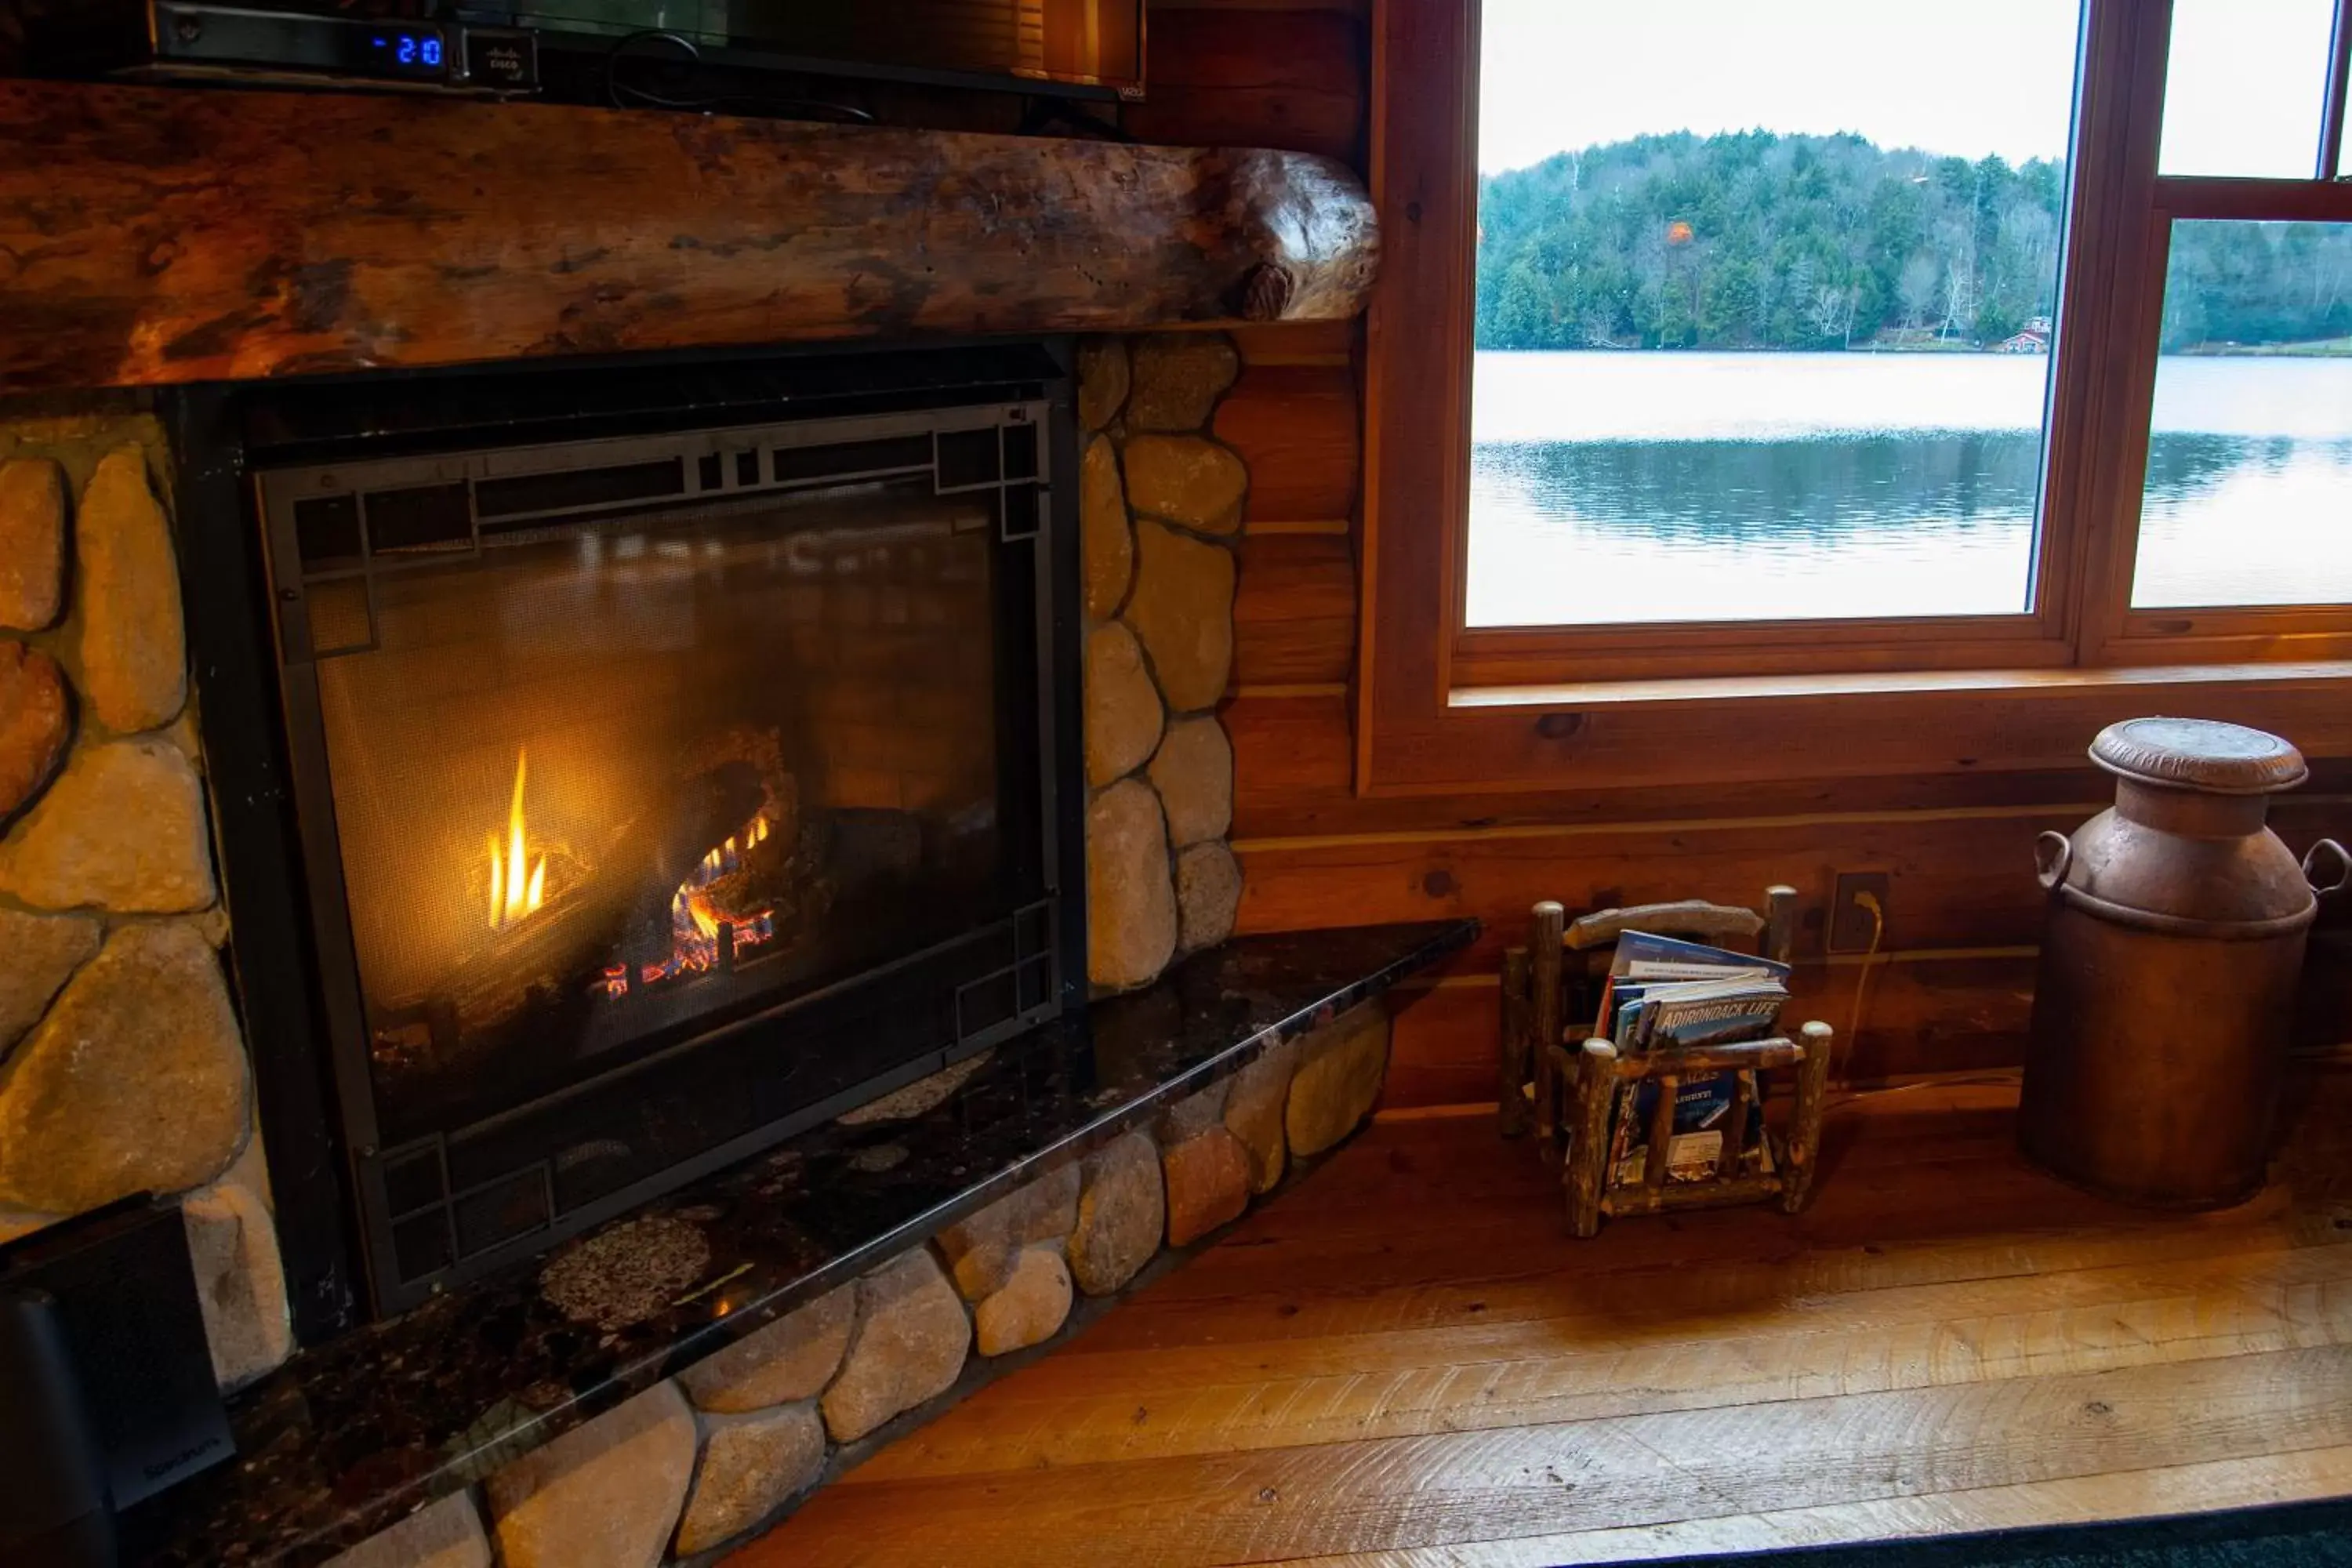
pixel 1664 994
pixel 1695 1146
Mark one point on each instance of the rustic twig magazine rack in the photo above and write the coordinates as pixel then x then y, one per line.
pixel 1564 1096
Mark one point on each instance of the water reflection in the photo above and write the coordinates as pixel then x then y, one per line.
pixel 1595 497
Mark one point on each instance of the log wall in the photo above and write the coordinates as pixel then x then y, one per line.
pixel 1953 990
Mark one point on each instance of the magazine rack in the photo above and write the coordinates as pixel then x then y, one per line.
pixel 1597 1072
pixel 1567 1095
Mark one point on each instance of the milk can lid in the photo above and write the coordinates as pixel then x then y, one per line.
pixel 2200 755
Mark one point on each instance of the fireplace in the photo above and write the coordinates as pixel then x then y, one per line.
pixel 677 756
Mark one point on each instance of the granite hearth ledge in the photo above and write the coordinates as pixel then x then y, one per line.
pixel 352 1436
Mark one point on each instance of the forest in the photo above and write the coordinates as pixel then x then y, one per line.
pixel 1753 240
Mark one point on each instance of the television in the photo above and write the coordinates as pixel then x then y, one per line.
pixel 1083 48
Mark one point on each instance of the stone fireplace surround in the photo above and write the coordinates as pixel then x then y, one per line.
pixel 122 1069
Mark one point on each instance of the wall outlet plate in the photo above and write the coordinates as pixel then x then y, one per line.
pixel 1851 927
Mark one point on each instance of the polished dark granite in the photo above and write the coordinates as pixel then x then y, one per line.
pixel 349 1437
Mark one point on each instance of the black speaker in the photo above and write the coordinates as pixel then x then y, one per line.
pixel 107 1393
pixel 53 1510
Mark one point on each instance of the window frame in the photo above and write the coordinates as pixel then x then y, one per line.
pixel 1443 706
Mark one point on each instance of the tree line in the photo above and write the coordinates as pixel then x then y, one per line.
pixel 1754 240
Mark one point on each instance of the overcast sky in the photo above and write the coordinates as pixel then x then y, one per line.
pixel 1968 78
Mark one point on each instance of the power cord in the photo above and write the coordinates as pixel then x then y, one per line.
pixel 1864 898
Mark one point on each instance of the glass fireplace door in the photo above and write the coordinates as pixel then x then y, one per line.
pixel 628 743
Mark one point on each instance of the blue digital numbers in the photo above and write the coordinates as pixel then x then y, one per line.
pixel 407 53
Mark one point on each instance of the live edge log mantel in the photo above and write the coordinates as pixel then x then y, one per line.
pixel 152 234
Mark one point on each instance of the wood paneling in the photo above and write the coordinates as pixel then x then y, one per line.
pixel 1295 609
pixel 1404 1363
pixel 1962 879
pixel 1254 77
pixel 1296 427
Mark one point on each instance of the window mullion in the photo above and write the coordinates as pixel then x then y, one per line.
pixel 2339 78
pixel 2106 364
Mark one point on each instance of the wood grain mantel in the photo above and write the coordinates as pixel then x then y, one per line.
pixel 152 236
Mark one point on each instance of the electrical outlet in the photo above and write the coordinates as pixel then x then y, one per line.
pixel 1852 928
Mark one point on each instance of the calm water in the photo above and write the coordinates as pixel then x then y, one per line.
pixel 1674 487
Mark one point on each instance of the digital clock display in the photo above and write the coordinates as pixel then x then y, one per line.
pixel 403 51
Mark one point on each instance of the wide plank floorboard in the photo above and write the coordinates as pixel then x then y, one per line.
pixel 1404 1363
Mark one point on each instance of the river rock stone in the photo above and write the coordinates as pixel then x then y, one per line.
pixel 32 545
pixel 791 1358
pixel 1178 378
pixel 1130 893
pixel 911 1341
pixel 1253 1111
pixel 751 1465
pixel 1123 712
pixel 43 952
pixel 1103 376
pixel 1340 1072
pixel 1120 1213
pixel 445 1534
pixel 1208 895
pixel 606 1495
pixel 1105 542
pixel 1193 772
pixel 36 724
pixel 123 830
pixel 1208 1181
pixel 982 1250
pixel 1030 1309
pixel 1192 1116
pixel 1183 609
pixel 240 1281
pixel 135 1081
pixel 1186 479
pixel 134 658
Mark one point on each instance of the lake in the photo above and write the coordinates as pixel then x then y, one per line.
pixel 1683 486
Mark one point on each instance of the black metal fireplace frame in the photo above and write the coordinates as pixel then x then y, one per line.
pixel 323 1172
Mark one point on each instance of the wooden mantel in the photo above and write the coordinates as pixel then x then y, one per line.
pixel 152 236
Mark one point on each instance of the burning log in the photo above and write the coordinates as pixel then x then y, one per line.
pixel 618 903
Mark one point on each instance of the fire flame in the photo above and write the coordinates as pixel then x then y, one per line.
pixel 518 885
pixel 699 930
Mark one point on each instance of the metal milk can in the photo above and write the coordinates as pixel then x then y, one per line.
pixel 2173 940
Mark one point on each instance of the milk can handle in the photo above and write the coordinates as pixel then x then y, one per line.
pixel 2321 852
pixel 2053 853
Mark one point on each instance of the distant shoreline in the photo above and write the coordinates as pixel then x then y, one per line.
pixel 2329 348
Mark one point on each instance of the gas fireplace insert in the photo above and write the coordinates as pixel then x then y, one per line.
pixel 676 758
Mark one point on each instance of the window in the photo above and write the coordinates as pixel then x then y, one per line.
pixel 1798 355
pixel 1763 325
pixel 2248 497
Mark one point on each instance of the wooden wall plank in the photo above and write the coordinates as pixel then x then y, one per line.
pixel 1959 879
pixel 1295 610
pixel 1329 343
pixel 1295 79
pixel 1296 427
pixel 1923 1013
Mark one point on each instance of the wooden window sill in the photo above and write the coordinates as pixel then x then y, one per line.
pixel 2023 682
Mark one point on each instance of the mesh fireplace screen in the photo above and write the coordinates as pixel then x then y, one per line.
pixel 629 742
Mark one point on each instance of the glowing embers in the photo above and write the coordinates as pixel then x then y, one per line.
pixel 518 881
pixel 710 926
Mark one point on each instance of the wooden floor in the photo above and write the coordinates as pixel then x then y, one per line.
pixel 1403 1362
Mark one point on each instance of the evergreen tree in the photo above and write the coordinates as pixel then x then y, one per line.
pixel 1753 240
